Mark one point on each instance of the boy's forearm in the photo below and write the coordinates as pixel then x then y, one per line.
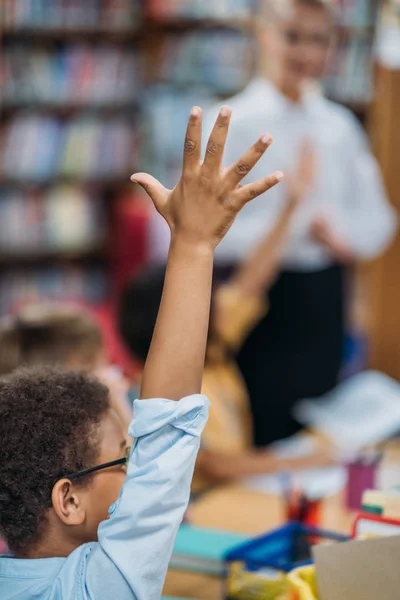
pixel 180 335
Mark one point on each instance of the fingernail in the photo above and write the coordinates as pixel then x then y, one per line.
pixel 195 111
pixel 279 175
pixel 267 139
pixel 225 111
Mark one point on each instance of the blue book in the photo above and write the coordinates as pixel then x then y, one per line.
pixel 203 550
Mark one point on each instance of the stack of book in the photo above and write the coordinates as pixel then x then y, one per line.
pixel 63 219
pixel 38 148
pixel 71 14
pixel 75 75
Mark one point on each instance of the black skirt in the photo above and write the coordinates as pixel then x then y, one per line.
pixel 295 351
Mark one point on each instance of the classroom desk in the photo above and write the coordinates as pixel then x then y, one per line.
pixel 243 511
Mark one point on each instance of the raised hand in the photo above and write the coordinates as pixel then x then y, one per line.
pixel 203 205
pixel 300 183
pixel 323 232
pixel 199 211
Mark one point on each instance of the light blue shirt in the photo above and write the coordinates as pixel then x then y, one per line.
pixel 131 558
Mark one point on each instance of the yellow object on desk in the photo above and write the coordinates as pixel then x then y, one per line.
pixel 305 582
pixel 246 585
pixel 300 584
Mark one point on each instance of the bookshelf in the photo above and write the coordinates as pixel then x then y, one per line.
pixel 89 87
pixel 96 254
pixel 70 75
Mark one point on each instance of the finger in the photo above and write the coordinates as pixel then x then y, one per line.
pixel 152 186
pixel 192 147
pixel 253 190
pixel 216 143
pixel 236 172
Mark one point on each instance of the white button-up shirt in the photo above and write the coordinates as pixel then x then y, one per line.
pixel 348 187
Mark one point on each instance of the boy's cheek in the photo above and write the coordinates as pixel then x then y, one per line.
pixel 105 495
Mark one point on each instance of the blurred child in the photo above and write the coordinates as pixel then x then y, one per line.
pixel 54 334
pixel 63 461
pixel 227 443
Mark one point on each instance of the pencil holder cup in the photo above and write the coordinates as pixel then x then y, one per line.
pixel 361 476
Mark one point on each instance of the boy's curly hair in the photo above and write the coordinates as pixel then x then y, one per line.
pixel 48 427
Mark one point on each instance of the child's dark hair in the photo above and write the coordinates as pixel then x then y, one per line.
pixel 48 427
pixel 49 334
pixel 138 310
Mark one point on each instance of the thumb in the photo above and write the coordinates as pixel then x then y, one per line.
pixel 152 186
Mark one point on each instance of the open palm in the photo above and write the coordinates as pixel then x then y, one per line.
pixel 207 198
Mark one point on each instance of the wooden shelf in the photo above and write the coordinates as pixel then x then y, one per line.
pixel 188 24
pixel 51 34
pixel 149 26
pixel 105 182
pixel 20 259
pixel 67 109
pixel 384 280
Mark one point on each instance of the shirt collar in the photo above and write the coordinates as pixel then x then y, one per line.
pixel 27 568
pixel 263 88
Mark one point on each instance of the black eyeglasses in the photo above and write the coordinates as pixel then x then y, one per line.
pixel 113 463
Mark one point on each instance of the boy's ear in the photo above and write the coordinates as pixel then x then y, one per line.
pixel 67 503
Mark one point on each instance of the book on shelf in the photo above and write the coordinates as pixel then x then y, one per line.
pixel 63 219
pixel 77 74
pixel 18 286
pixel 207 58
pixel 198 9
pixel 72 14
pixel 39 148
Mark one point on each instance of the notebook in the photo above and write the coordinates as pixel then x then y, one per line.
pixel 203 550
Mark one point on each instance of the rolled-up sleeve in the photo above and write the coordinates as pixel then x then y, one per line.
pixel 136 542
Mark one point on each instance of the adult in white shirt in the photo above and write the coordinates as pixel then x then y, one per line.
pixel 344 215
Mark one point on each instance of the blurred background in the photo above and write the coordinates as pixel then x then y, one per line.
pixel 94 90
